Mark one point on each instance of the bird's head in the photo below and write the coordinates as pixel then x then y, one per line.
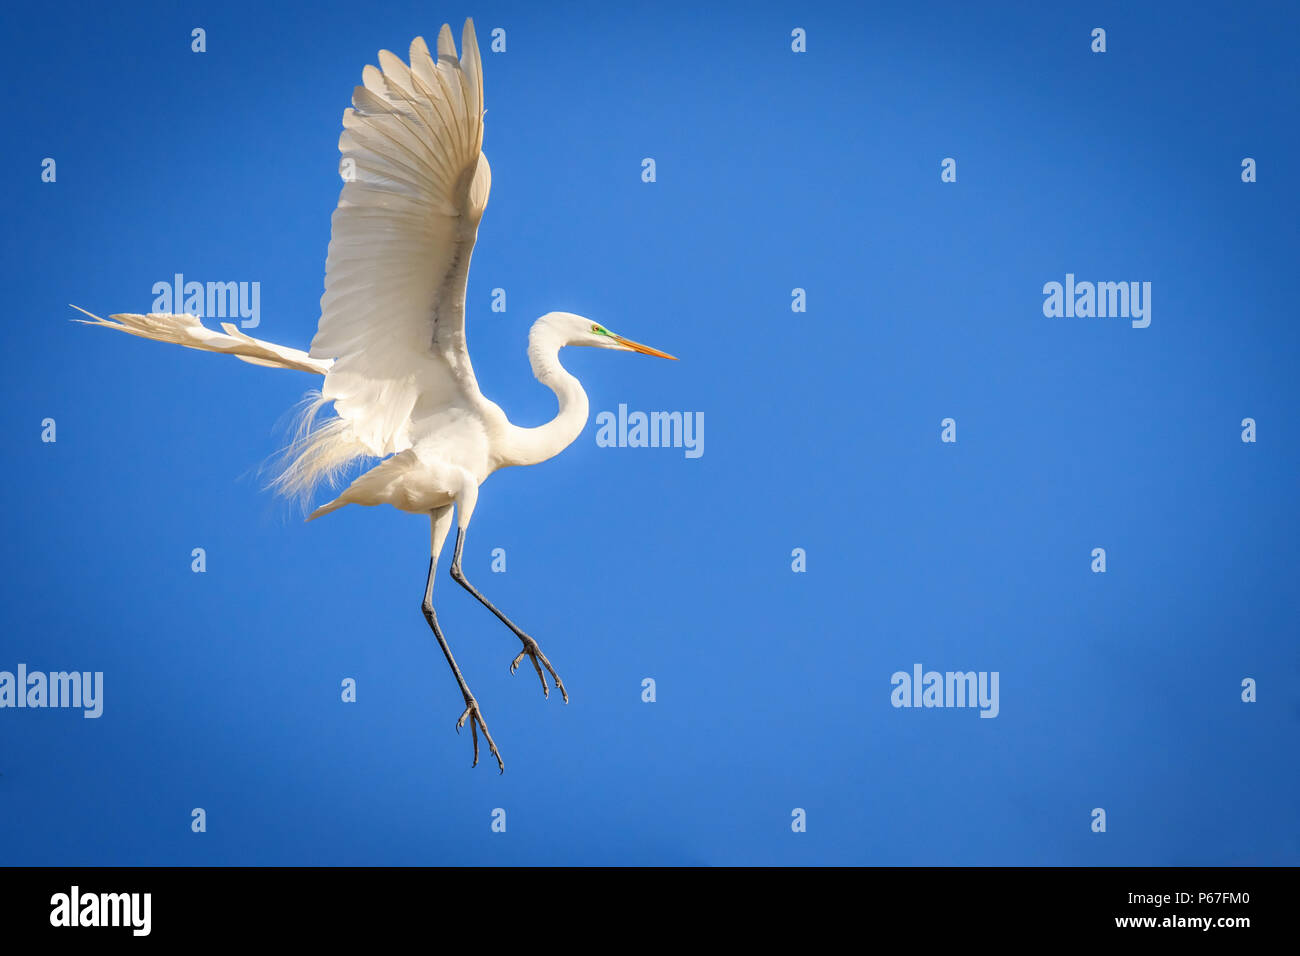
pixel 579 330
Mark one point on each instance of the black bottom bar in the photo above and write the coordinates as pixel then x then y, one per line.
pixel 337 905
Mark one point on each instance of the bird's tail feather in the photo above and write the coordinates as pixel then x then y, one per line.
pixel 325 509
pixel 318 452
pixel 189 331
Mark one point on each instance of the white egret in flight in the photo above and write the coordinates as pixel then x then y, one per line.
pixel 391 339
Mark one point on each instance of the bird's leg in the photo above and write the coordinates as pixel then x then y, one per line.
pixel 472 713
pixel 531 648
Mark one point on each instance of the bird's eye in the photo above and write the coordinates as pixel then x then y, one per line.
pixel 598 330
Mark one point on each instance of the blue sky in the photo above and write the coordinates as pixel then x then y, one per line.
pixel 775 171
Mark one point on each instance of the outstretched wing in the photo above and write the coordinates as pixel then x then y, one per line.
pixel 416 184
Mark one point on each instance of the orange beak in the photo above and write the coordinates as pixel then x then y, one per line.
pixel 643 349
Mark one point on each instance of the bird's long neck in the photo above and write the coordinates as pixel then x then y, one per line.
pixel 528 446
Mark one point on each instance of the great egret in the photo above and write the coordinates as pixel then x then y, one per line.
pixel 391 339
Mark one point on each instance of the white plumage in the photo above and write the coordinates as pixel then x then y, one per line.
pixel 393 312
pixel 391 339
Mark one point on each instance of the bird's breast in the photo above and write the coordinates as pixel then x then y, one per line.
pixel 453 437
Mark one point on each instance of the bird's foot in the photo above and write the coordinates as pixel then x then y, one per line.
pixel 534 652
pixel 475 718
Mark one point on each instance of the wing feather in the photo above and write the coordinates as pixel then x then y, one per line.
pixel 393 310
